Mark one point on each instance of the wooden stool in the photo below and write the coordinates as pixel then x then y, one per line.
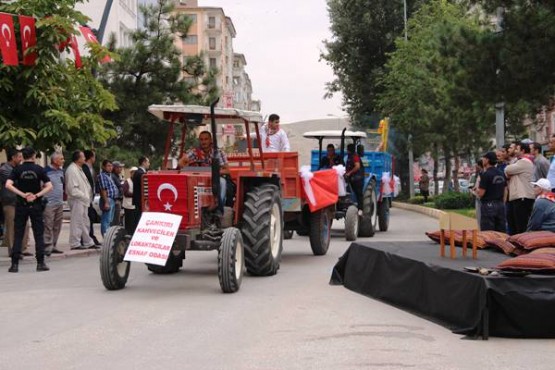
pixel 454 222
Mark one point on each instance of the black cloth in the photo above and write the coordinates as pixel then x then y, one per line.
pixel 493 216
pixel 493 182
pixel 29 178
pixel 518 215
pixel 412 276
pixel 326 163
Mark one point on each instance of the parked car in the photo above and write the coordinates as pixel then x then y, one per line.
pixel 96 207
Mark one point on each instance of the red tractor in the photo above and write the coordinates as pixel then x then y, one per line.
pixel 250 231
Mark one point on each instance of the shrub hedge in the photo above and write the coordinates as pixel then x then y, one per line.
pixel 454 200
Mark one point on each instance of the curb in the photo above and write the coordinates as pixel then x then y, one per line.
pixel 430 212
pixel 31 260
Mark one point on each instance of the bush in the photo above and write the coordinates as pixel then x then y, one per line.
pixel 454 200
pixel 418 199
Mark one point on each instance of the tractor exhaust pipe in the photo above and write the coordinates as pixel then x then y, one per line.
pixel 215 155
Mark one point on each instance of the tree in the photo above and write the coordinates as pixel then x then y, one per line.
pixel 53 103
pixel 363 32
pixel 151 72
pixel 425 88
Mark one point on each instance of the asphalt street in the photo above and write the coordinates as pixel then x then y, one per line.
pixel 65 319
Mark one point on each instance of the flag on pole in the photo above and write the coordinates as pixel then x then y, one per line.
pixel 90 37
pixel 75 47
pixel 28 39
pixel 8 44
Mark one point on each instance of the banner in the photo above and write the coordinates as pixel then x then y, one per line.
pixel 8 43
pixel 75 47
pixel 320 188
pixel 28 39
pixel 153 239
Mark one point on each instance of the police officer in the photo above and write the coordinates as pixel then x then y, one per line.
pixel 30 182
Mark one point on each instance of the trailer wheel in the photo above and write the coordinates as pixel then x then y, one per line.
pixel 351 223
pixel 383 214
pixel 114 271
pixel 262 230
pixel 369 211
pixel 287 234
pixel 231 260
pixel 320 232
pixel 173 264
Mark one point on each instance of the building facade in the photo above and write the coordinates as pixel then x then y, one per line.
pixel 121 19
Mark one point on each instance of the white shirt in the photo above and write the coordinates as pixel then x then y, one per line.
pixel 551 174
pixel 278 141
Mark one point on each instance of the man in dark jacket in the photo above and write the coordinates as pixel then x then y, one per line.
pixel 88 169
pixel 144 164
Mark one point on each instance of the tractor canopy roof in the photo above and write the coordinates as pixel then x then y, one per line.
pixel 333 134
pixel 197 115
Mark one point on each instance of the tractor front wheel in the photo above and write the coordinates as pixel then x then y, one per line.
pixel 369 211
pixel 320 232
pixel 114 271
pixel 351 223
pixel 231 260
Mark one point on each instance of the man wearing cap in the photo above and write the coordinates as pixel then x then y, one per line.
pixel 521 194
pixel 117 169
pixel 543 213
pixel 491 192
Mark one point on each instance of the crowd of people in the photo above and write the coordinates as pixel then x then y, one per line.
pixel 514 189
pixel 32 193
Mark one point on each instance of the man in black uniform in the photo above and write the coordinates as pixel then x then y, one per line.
pixel 491 193
pixel 144 164
pixel 30 182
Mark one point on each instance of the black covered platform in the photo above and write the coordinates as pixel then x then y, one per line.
pixel 412 276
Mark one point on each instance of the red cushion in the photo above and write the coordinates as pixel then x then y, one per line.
pixel 504 245
pixel 544 262
pixel 534 239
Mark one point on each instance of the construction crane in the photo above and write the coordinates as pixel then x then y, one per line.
pixel 383 131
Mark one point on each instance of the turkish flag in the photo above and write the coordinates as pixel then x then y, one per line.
pixel 8 44
pixel 28 39
pixel 90 37
pixel 75 47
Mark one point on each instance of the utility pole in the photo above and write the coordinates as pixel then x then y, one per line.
pixel 104 20
pixel 500 106
pixel 411 154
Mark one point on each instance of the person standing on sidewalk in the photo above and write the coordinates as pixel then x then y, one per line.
pixel 108 194
pixel 541 164
pixel 118 180
pixel 54 210
pixel 9 200
pixel 127 204
pixel 79 196
pixel 30 182
pixel 88 170
pixel 521 192
pixel 491 191
pixel 424 185
pixel 144 164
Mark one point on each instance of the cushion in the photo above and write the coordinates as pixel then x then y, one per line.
pixel 543 250
pixel 503 245
pixel 544 262
pixel 534 239
pixel 482 241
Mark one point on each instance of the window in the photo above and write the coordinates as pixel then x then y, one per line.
pixel 212 22
pixel 213 63
pixel 212 43
pixel 190 40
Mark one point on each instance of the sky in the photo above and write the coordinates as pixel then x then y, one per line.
pixel 282 41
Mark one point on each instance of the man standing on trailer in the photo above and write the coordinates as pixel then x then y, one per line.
pixel 272 137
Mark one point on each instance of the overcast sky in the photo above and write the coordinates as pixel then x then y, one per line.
pixel 282 40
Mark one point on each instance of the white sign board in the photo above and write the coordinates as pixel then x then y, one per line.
pixel 153 238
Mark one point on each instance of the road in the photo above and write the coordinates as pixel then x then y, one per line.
pixel 64 319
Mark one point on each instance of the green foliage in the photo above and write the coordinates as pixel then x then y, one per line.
pixel 52 103
pixel 418 199
pixel 151 72
pixel 454 200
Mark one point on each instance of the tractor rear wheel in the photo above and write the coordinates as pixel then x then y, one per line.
pixel 320 232
pixel 369 211
pixel 262 230
pixel 231 260
pixel 114 271
pixel 351 223
pixel 173 264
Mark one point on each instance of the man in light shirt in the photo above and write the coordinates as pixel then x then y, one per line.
pixel 551 171
pixel 272 137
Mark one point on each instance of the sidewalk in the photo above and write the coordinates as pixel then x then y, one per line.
pixel 63 245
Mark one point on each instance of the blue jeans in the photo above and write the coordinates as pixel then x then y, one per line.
pixel 223 188
pixel 107 216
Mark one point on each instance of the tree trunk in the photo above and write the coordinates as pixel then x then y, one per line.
pixel 435 157
pixel 447 179
pixel 456 186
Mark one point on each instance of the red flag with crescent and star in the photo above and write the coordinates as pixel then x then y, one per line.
pixel 8 44
pixel 28 39
pixel 75 47
pixel 90 37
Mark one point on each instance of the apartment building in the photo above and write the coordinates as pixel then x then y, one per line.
pixel 211 35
